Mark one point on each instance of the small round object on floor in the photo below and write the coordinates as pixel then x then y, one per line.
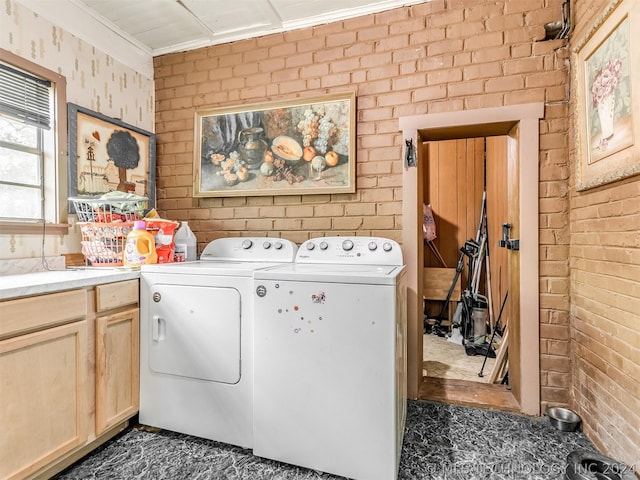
pixel 586 465
pixel 563 419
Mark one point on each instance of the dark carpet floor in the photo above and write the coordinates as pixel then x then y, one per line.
pixel 441 442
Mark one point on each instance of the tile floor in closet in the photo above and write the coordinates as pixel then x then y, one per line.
pixel 441 442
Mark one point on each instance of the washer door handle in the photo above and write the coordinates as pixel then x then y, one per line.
pixel 158 328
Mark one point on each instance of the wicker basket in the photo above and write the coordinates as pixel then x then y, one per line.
pixel 103 243
pixel 108 210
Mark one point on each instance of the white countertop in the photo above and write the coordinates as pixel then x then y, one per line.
pixel 27 284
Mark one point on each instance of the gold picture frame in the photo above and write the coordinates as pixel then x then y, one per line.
pixel 291 147
pixel 607 85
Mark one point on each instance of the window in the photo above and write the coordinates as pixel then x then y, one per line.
pixel 32 130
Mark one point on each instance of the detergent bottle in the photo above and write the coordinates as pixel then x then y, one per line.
pixel 140 247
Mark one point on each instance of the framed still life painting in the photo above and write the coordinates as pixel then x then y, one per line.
pixel 607 86
pixel 304 146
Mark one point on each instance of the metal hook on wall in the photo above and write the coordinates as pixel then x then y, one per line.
pixel 409 153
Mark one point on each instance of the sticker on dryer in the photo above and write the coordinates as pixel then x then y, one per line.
pixel 319 298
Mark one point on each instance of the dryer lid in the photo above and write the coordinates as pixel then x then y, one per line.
pixel 250 249
pixel 333 273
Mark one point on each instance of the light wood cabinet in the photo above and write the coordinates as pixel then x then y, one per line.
pixel 69 375
pixel 43 412
pixel 117 368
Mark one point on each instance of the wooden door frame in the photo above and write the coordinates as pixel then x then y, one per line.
pixel 478 122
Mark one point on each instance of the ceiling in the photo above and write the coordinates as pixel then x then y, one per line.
pixel 135 31
pixel 167 26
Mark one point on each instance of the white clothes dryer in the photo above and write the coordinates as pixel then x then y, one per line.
pixel 196 339
pixel 330 358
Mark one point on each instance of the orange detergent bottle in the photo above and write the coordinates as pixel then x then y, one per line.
pixel 140 247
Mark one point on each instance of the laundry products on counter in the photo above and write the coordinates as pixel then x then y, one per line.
pixel 185 244
pixel 139 248
pixel 163 232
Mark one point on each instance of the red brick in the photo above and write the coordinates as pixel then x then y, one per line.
pixel 505 84
pixel 464 30
pixel 446 46
pixel 373 33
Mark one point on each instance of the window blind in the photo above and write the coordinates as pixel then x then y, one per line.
pixel 24 97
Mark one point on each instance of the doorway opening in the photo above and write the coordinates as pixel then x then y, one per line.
pixel 518 125
pixel 465 275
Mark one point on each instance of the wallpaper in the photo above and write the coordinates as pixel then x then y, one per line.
pixel 95 81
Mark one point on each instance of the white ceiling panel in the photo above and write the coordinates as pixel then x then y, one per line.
pixel 166 26
pixel 236 16
pixel 134 31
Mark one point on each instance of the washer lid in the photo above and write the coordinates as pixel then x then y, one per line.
pixel 350 250
pixel 332 273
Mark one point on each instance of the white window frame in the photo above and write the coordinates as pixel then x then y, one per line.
pixel 55 157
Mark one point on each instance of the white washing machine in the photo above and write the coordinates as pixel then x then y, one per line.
pixel 196 339
pixel 330 358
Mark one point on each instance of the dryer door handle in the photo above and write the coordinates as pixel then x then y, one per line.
pixel 158 328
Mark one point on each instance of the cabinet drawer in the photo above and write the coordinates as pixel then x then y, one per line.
pixel 34 313
pixel 114 295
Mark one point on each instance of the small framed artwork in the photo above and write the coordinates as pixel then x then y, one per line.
pixel 106 154
pixel 304 146
pixel 607 81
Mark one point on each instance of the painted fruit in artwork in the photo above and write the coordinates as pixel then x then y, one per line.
pixel 268 156
pixel 308 153
pixel 243 174
pixel 230 179
pixel 331 158
pixel 267 168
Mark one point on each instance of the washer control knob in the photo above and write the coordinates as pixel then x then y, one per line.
pixel 311 246
pixel 324 245
pixel 386 246
pixel 278 245
pixel 347 245
pixel 266 245
pixel 247 244
pixel 373 246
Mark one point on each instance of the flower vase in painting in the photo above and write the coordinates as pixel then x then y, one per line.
pixel 603 94
pixel 609 104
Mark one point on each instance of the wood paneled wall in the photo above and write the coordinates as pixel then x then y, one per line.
pixel 496 216
pixel 455 179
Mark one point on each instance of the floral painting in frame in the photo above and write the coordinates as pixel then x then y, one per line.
pixel 606 64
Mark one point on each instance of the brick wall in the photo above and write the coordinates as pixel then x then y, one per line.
pixel 605 299
pixel 433 57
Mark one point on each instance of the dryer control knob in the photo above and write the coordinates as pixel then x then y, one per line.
pixel 278 245
pixel 266 245
pixel 347 245
pixel 324 245
pixel 373 246
pixel 311 246
pixel 386 246
pixel 247 244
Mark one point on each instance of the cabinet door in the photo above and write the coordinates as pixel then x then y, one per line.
pixel 117 368
pixel 43 397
